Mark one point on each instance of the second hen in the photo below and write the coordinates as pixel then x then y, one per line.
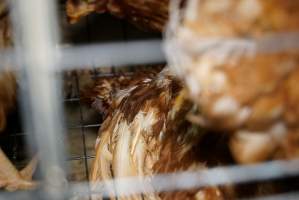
pixel 145 133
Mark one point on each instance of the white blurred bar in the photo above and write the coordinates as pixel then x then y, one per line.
pixel 140 52
pixel 113 54
pixel 194 179
pixel 36 38
pixel 28 196
pixel 101 55
pixel 8 58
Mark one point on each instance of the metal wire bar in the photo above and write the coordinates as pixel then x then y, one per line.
pixel 33 195
pixel 116 54
pixel 83 136
pixel 195 179
pixel 84 126
pixel 36 19
pixel 71 158
pixel 113 54
pixel 72 100
pixel 81 157
pixel 100 55
pixel 30 196
pixel 17 135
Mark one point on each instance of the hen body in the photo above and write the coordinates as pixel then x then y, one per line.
pixel 148 14
pixel 240 75
pixel 146 134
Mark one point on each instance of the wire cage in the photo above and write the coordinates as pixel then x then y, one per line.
pixel 66 144
pixel 80 131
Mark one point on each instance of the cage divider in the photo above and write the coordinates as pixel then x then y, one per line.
pixel 37 19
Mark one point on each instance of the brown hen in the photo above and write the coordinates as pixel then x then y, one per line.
pixel 145 14
pixel 240 61
pixel 146 134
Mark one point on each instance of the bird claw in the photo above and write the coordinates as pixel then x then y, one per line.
pixel 27 172
pixel 20 184
pixel 18 180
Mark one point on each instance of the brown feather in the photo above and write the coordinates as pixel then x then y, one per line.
pixel 252 94
pixel 148 14
pixel 101 93
pixel 146 134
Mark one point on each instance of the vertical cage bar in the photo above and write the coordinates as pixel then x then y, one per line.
pixel 36 39
pixel 83 135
